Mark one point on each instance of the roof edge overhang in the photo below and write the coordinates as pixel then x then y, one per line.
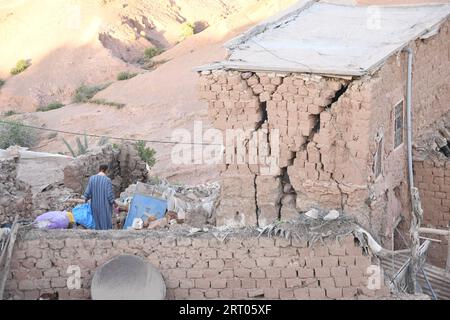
pixel 231 65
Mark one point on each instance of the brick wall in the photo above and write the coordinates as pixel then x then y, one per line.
pixel 243 267
pixel 431 93
pixel 433 180
pixel 322 127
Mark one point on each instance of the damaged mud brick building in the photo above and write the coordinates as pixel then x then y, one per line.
pixel 432 174
pixel 32 183
pixel 335 87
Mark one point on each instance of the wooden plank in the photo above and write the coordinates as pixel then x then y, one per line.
pixel 5 270
pixel 431 239
pixel 447 267
pixel 439 232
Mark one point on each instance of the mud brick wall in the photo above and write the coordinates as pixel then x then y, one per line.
pixel 433 180
pixel 330 131
pixel 431 93
pixel 125 168
pixel 15 195
pixel 324 133
pixel 243 267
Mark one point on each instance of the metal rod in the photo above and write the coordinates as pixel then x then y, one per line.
pixel 409 118
pixel 429 284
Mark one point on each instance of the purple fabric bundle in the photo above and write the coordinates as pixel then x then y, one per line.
pixel 53 220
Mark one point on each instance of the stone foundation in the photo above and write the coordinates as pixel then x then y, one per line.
pixel 242 267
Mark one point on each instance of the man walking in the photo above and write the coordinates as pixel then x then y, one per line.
pixel 100 191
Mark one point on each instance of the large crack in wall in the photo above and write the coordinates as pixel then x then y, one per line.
pixel 314 118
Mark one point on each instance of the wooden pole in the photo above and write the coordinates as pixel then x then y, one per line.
pixel 4 274
pixel 447 267
pixel 416 222
pixel 438 232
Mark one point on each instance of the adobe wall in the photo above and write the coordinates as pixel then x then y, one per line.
pixel 433 179
pixel 329 132
pixel 125 168
pixel 242 267
pixel 430 102
pixel 15 195
pixel 316 166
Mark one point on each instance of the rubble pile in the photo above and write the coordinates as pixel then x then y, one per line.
pixel 193 205
pixel 313 226
pixel 434 143
pixel 53 196
pixel 15 195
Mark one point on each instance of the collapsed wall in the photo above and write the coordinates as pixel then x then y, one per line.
pixel 243 266
pixel 23 192
pixel 15 195
pixel 125 168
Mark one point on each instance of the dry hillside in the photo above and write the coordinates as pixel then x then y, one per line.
pixel 75 42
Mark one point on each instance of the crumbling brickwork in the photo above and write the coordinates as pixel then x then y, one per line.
pixel 430 96
pixel 15 195
pixel 125 168
pixel 336 137
pixel 323 160
pixel 433 179
pixel 242 267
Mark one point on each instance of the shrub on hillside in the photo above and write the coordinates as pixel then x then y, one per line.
pixel 50 106
pixel 21 66
pixel 146 154
pixel 149 53
pixel 85 93
pixel 9 113
pixel 2 82
pixel 125 75
pixel 15 134
pixel 187 29
pixel 83 146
